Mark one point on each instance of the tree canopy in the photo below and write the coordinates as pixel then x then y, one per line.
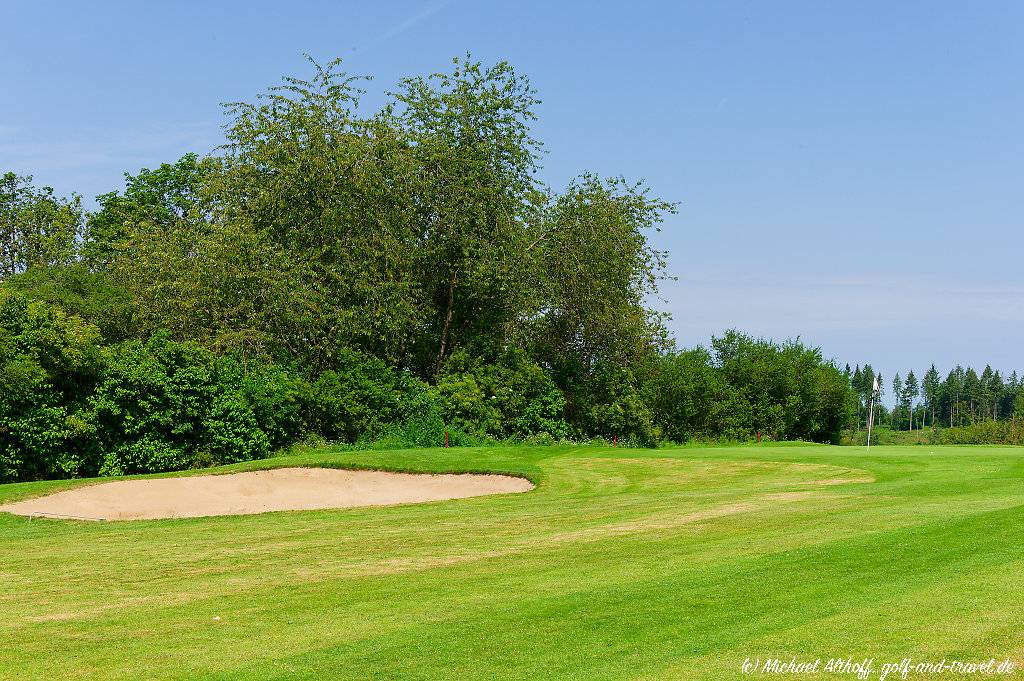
pixel 391 274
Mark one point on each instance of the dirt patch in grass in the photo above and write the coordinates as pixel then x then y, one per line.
pixel 790 496
pixel 279 489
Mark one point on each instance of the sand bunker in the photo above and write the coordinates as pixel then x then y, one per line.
pixel 279 489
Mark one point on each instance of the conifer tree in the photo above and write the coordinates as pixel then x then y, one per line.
pixel 910 393
pixel 932 386
pixel 897 393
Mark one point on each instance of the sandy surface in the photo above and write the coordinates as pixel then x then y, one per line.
pixel 279 489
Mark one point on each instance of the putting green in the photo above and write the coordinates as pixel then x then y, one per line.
pixel 622 563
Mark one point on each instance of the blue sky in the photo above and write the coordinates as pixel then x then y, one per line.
pixel 848 172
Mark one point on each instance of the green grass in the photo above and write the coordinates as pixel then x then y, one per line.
pixel 623 563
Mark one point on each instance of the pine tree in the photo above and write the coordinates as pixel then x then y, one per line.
pixel 910 393
pixel 973 392
pixel 1010 391
pixel 954 390
pixel 985 389
pixel 932 386
pixel 897 394
pixel 996 390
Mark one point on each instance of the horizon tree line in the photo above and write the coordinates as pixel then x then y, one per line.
pixel 963 397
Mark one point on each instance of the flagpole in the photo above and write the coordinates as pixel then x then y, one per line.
pixel 871 417
pixel 875 387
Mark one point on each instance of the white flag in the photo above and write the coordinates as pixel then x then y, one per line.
pixel 876 384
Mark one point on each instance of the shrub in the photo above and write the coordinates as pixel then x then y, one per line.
pixel 232 431
pixel 163 405
pixel 513 397
pixel 466 407
pixel 277 398
pixel 609 404
pixel 421 421
pixel 48 362
pixel 981 432
pixel 362 395
pixel 148 455
pixel 540 440
pixel 686 394
pixel 364 399
pixel 160 390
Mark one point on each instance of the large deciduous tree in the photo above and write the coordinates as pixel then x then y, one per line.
pixel 37 227
pixel 477 203
pixel 596 272
pixel 407 234
pixel 157 198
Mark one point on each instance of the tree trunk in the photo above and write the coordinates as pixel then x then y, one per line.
pixel 447 324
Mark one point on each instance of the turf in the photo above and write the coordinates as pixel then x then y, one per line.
pixel 622 563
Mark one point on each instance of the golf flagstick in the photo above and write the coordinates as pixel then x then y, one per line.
pixel 871 410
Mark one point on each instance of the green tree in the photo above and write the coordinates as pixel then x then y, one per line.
pixel 911 390
pixel 92 296
pixel 470 139
pixel 983 394
pixel 953 392
pixel 37 227
pixel 154 198
pixel 332 198
pixel 898 394
pixel 789 390
pixel 866 388
pixel 1010 391
pixel 49 363
pixel 1018 407
pixel 995 389
pixel 691 400
pixel 857 384
pixel 406 235
pixel 597 271
pixel 931 388
pixel 974 391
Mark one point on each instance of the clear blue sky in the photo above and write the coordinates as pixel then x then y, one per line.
pixel 848 172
